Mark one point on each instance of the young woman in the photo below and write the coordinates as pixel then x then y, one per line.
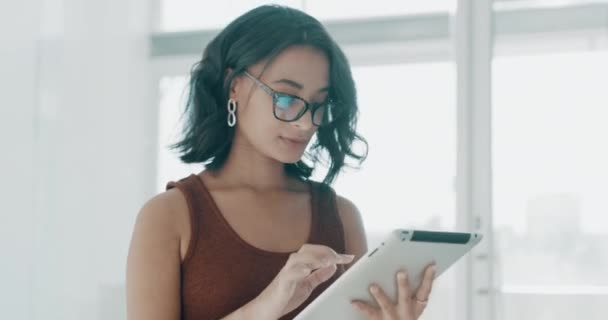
pixel 252 237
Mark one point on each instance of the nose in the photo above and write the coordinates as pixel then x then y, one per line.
pixel 304 123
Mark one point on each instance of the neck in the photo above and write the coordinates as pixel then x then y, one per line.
pixel 246 167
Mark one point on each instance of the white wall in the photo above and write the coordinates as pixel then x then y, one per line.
pixel 78 153
pixel 17 109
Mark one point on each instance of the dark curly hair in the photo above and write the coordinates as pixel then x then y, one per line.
pixel 258 35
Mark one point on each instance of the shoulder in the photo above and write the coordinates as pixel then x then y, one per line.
pixel 153 272
pixel 347 209
pixel 163 208
pixel 354 231
pixel 165 216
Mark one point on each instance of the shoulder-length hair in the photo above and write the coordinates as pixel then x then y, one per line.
pixel 258 35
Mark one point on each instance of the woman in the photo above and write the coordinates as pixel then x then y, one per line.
pixel 252 237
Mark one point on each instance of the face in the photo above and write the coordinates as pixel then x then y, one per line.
pixel 300 71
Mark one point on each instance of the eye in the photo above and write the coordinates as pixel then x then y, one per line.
pixel 326 113
pixel 324 106
pixel 284 101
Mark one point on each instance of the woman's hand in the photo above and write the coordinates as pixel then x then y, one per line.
pixel 302 273
pixel 409 305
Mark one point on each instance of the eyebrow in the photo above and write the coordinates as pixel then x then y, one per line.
pixel 297 85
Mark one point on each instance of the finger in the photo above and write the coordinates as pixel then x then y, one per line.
pixel 310 260
pixel 305 259
pixel 298 267
pixel 321 275
pixel 297 272
pixel 382 299
pixel 317 248
pixel 368 310
pixel 309 268
pixel 316 260
pixel 424 290
pixel 325 252
pixel 403 288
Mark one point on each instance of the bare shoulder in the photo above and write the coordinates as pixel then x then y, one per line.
pixel 153 263
pixel 166 215
pixel 164 209
pixel 347 208
pixel 354 231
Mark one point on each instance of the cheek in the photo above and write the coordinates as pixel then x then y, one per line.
pixel 259 124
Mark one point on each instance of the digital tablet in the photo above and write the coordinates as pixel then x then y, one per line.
pixel 412 250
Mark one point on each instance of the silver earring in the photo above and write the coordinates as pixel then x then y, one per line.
pixel 231 112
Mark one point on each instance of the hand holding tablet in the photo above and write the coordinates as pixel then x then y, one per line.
pixel 411 250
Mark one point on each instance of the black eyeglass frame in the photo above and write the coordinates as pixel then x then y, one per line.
pixel 313 107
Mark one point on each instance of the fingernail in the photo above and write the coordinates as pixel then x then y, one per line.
pixel 401 275
pixel 373 289
pixel 347 257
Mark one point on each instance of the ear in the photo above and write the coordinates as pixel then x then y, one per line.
pixel 232 91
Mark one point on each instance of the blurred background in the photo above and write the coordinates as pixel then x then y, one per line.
pixel 484 116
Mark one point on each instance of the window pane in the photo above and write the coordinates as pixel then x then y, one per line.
pixel 328 10
pixel 517 4
pixel 408 117
pixel 176 15
pixel 411 134
pixel 173 96
pixel 550 182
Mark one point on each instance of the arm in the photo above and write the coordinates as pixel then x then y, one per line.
pixel 153 264
pixel 354 232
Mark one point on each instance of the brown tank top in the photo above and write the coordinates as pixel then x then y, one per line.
pixel 221 272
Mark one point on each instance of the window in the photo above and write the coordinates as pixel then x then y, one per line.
pixel 515 4
pixel 173 98
pixel 550 178
pixel 333 10
pixel 407 179
pixel 180 15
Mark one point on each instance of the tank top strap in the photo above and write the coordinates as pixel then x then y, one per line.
pixel 197 204
pixel 328 229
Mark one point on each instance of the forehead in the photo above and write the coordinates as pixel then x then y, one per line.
pixel 304 64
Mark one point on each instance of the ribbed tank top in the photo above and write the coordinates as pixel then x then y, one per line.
pixel 222 272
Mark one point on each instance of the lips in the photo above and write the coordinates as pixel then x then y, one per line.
pixel 295 140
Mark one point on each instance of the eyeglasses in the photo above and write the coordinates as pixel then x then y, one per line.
pixel 289 108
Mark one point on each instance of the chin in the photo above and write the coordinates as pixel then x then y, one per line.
pixel 289 158
pixel 286 152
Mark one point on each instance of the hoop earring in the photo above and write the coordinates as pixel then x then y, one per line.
pixel 231 113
